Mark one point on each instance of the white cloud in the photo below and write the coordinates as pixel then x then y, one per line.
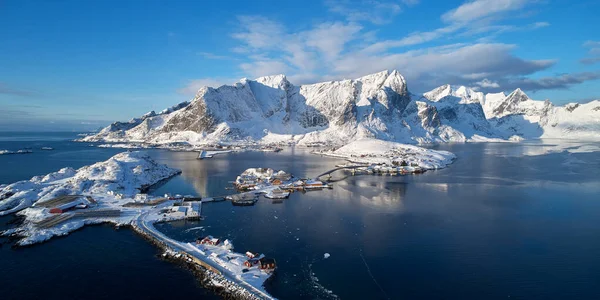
pixel 259 32
pixel 209 55
pixel 265 67
pixel 591 44
pixel 540 25
pixel 593 52
pixel 486 83
pixel 376 12
pixel 480 9
pixel 494 30
pixel 590 60
pixel 411 2
pixel 414 38
pixel 302 53
pixel 480 21
pixel 299 57
pixel 337 50
pixel 194 85
pixel 330 38
pixel 454 64
pixel 563 81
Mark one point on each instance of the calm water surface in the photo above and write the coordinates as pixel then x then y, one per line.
pixel 505 220
pixel 97 262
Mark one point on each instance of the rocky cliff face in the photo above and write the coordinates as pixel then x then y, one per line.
pixel 271 109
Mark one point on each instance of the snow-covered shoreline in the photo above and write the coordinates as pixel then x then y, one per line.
pixel 372 151
pixel 22 151
pixel 227 274
pixel 104 186
pixel 61 202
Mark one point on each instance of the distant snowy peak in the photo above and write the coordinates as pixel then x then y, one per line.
pixel 468 95
pixel 512 104
pixel 276 81
pixel 385 88
pixel 495 105
pixel 174 108
pixel 516 114
pixel 120 130
pixel 438 93
pixel 518 95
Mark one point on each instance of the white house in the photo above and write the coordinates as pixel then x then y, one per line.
pixel 194 209
pixel 141 197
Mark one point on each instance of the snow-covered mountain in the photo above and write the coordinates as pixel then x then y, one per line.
pixel 518 115
pixel 139 128
pixel 271 109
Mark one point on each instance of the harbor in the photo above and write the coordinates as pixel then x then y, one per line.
pixel 134 203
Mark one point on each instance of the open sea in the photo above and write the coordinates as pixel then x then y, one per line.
pixel 504 221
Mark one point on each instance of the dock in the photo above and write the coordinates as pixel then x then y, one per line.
pixel 149 203
pixel 192 198
pixel 214 199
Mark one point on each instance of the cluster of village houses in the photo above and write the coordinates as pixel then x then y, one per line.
pixel 180 210
pixel 252 259
pixel 262 178
pixel 188 210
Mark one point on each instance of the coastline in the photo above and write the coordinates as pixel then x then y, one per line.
pixel 212 272
pixel 48 210
pixel 217 283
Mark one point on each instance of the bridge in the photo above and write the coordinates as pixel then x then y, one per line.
pixel 340 168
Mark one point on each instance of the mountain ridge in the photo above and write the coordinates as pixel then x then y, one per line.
pixel 270 109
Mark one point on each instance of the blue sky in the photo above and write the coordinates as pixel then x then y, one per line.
pixel 80 64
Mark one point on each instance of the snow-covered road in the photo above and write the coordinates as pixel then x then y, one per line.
pixel 142 222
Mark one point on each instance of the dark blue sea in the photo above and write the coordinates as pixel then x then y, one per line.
pixel 505 221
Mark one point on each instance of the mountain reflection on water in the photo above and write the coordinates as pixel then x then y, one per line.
pixel 502 220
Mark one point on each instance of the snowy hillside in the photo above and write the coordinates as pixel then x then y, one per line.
pixel 273 110
pixel 518 115
pixel 384 152
pixel 138 128
pixel 125 173
pixel 573 120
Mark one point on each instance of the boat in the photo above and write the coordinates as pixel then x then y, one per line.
pixel 277 194
pixel 243 199
pixel 314 184
pixel 419 170
pixel 271 149
pixel 47 148
pixel 243 202
pixel 203 154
